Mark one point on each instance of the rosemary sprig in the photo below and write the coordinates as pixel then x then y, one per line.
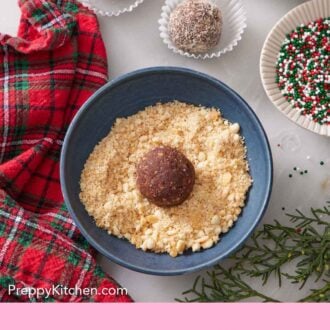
pixel 306 244
pixel 320 295
pixel 224 285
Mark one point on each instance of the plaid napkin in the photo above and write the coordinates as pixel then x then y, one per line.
pixel 46 73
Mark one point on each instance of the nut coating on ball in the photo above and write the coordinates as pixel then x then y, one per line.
pixel 195 26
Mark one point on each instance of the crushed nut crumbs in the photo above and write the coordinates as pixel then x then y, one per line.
pixel 211 143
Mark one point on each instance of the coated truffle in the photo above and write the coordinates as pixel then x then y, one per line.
pixel 165 176
pixel 195 26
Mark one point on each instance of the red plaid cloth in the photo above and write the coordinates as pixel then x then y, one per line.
pixel 46 73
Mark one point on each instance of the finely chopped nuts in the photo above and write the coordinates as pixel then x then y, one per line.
pixel 111 197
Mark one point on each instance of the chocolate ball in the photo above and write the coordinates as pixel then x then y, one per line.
pixel 195 26
pixel 165 176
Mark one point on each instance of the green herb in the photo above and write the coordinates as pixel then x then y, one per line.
pixel 306 243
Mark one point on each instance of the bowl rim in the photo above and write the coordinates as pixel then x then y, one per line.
pixel 137 74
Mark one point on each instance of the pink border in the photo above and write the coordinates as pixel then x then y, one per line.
pixel 165 316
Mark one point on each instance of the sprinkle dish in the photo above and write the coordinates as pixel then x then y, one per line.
pixel 294 66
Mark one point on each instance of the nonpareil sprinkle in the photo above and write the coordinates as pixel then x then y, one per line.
pixel 303 70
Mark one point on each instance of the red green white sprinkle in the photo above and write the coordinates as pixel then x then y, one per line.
pixel 303 70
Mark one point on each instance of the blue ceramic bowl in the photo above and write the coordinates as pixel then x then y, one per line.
pixel 124 97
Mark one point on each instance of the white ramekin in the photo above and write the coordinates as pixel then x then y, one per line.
pixel 303 14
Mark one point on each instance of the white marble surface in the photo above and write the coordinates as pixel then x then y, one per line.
pixel 133 42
